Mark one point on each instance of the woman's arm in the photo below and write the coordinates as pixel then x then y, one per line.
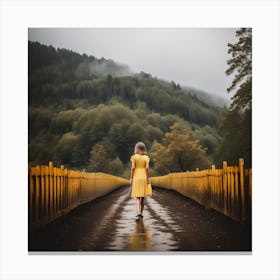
pixel 131 172
pixel 148 173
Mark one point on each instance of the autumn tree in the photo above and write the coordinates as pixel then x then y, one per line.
pixel 178 152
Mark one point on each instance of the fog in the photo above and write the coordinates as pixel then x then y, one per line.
pixel 106 67
pixel 193 57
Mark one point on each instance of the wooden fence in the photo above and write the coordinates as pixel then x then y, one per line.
pixel 227 190
pixel 55 191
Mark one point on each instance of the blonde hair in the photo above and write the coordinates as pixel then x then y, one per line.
pixel 140 148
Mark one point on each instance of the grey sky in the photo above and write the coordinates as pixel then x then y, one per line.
pixel 194 57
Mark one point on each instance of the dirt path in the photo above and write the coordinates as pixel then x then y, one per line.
pixel 171 222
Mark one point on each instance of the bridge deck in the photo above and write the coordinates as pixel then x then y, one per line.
pixel 171 223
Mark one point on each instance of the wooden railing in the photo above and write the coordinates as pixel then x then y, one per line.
pixel 227 190
pixel 55 191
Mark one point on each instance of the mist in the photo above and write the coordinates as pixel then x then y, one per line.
pixel 192 57
pixel 109 67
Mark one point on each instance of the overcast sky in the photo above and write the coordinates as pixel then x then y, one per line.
pixel 195 57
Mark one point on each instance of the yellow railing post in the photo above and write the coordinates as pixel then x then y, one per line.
pixel 213 186
pixel 59 190
pixel 65 174
pixel 37 192
pixel 236 193
pixel 47 174
pixel 43 193
pixel 62 189
pixel 31 194
pixel 225 187
pixel 51 188
pixel 55 189
pixel 232 193
pixel 228 190
pixel 242 187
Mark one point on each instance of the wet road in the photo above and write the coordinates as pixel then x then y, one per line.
pixel 152 232
pixel 171 222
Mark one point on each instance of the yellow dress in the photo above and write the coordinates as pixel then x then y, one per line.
pixel 140 188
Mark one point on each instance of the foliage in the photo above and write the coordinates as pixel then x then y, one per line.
pixel 237 139
pixel 64 76
pixel 178 152
pixel 98 161
pixel 237 124
pixel 208 137
pixel 241 64
pixel 87 119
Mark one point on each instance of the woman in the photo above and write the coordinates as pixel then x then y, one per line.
pixel 140 177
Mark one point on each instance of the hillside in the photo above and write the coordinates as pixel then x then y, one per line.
pixel 80 105
pixel 208 98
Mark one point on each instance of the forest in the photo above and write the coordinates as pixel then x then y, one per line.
pixel 87 113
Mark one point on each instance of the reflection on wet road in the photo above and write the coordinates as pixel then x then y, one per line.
pixel 153 232
pixel 171 222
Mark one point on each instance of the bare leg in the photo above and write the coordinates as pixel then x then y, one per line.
pixel 142 204
pixel 138 205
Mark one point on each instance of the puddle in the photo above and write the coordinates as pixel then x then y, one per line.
pixel 154 232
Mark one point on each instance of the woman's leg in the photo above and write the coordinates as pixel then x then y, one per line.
pixel 138 205
pixel 142 204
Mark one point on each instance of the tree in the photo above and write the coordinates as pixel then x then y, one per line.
pixel 241 64
pixel 82 71
pixel 115 167
pixel 68 150
pixel 208 137
pixel 101 160
pixel 178 152
pixel 98 158
pixel 237 125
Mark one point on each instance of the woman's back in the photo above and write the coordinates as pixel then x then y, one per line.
pixel 140 176
pixel 140 185
pixel 140 161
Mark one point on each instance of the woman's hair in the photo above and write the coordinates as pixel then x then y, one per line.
pixel 140 148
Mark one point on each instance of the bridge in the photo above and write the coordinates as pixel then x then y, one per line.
pixel 207 210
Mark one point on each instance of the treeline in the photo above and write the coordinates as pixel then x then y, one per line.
pixel 237 124
pixel 86 119
pixel 63 78
pixel 102 138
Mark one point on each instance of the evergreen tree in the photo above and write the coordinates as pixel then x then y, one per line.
pixel 237 125
pixel 98 161
pixel 241 64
